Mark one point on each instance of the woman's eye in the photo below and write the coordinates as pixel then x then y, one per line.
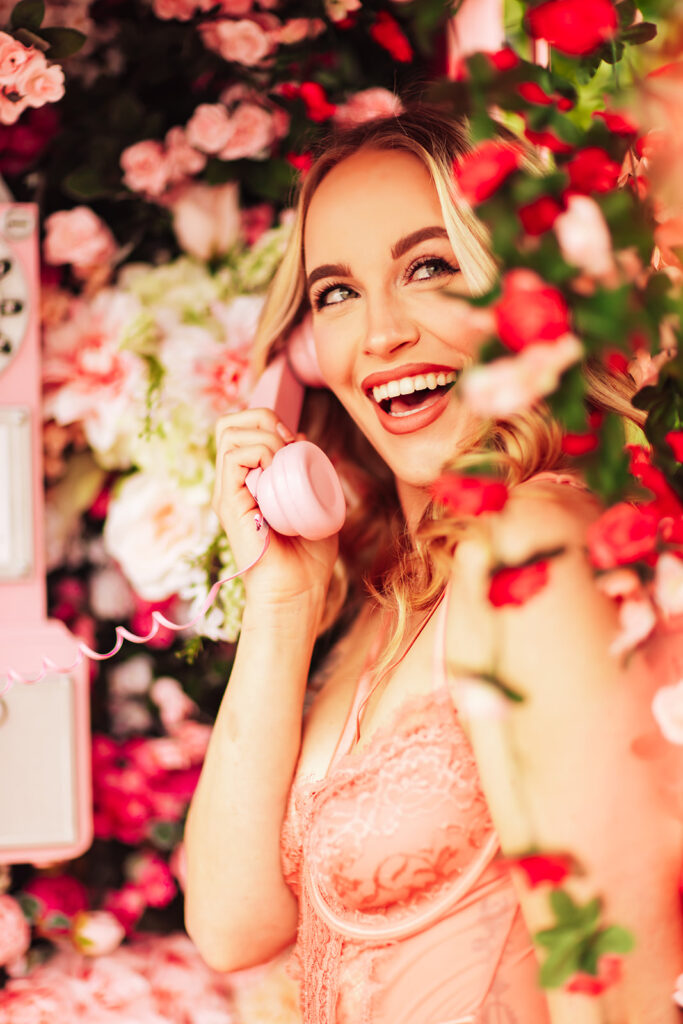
pixel 331 296
pixel 426 269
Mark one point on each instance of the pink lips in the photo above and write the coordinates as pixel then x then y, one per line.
pixel 412 421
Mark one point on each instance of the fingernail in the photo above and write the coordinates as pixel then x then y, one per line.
pixel 284 433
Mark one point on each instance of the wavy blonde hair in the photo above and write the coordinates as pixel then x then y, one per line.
pixel 375 547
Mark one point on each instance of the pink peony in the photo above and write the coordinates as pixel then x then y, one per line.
pixel 252 132
pixel 209 127
pixel 145 167
pixel 206 219
pixel 667 708
pixel 182 159
pixel 637 619
pixel 367 105
pixel 173 703
pixel 15 933
pixel 513 383
pixel 79 237
pixel 668 585
pixel 243 41
pixel 152 876
pixel 584 237
pixel 97 932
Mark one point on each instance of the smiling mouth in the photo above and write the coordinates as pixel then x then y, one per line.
pixel 410 395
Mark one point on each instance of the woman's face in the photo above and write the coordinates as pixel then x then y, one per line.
pixel 389 339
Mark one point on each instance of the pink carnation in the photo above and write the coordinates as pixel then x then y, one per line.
pixel 513 383
pixel 367 105
pixel 243 41
pixel 209 128
pixel 145 167
pixel 79 237
pixel 15 933
pixel 251 133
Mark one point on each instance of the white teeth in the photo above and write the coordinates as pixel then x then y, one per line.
pixel 407 385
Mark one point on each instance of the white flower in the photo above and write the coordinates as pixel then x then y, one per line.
pixel 155 530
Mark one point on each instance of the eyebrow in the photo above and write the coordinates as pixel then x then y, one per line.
pixel 398 249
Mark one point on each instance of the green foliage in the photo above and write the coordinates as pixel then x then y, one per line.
pixel 28 14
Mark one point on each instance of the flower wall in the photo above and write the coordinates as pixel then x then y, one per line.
pixel 162 140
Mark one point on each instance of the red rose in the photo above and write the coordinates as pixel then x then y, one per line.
pixel 549 140
pixel 317 106
pixel 387 33
pixel 591 170
pixel 539 215
pixel 666 501
pixel 529 311
pixel 579 444
pixel 619 124
pixel 616 362
pixel 621 535
pixel 302 162
pixel 675 441
pixel 533 93
pixel 481 172
pixel 609 972
pixel 504 60
pixel 573 26
pixel 540 867
pixel 469 495
pixel 516 584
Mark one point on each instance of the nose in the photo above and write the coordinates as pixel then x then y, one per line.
pixel 389 327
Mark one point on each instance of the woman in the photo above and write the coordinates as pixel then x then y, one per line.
pixel 370 833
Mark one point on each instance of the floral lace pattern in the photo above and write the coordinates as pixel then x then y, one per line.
pixel 397 833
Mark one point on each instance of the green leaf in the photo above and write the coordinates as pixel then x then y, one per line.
pixel 614 939
pixel 560 964
pixel 166 834
pixel 641 33
pixel 30 906
pixel 626 12
pixel 28 14
pixel 63 42
pixel 86 182
pixel 497 683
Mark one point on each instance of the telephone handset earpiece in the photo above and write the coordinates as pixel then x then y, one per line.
pixel 299 494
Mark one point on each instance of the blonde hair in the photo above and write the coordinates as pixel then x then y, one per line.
pixel 401 571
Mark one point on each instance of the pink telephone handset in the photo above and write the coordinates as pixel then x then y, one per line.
pixel 299 494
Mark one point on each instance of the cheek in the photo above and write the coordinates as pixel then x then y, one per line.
pixel 334 356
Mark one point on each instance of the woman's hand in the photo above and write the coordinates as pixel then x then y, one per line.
pixel 292 567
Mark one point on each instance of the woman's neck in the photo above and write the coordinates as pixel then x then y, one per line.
pixel 413 501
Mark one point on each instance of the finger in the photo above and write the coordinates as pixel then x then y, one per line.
pixel 236 438
pixel 254 419
pixel 231 473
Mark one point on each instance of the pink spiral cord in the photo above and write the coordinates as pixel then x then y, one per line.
pixel 125 634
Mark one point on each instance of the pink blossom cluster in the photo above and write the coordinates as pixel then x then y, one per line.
pixel 26 79
pixel 155 980
pixel 141 782
pixel 234 130
pixel 153 168
pixel 79 237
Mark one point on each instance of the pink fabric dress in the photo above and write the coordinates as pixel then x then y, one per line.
pixel 406 916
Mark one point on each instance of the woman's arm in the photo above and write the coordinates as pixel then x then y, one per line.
pixel 239 910
pixel 559 770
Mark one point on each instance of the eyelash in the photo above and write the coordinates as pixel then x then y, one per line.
pixel 423 261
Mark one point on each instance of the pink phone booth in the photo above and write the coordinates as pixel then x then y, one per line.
pixel 45 788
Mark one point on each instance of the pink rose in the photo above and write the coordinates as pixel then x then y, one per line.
pixel 667 707
pixel 42 84
pixel 13 56
pixel 209 128
pixel 206 219
pixel 584 237
pixel 152 876
pixel 145 167
pixel 513 383
pixel 243 41
pixel 15 933
pixel 181 10
pixel 173 703
pixel 637 619
pixel 127 905
pixel 182 159
pixel 11 110
pixel 78 237
pixel 236 8
pixel 295 30
pixel 668 585
pixel 97 932
pixel 367 105
pixel 529 311
pixel 252 133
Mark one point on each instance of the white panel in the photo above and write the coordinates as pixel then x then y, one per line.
pixel 38 801
pixel 16 508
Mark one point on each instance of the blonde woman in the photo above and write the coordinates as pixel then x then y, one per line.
pixel 372 836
